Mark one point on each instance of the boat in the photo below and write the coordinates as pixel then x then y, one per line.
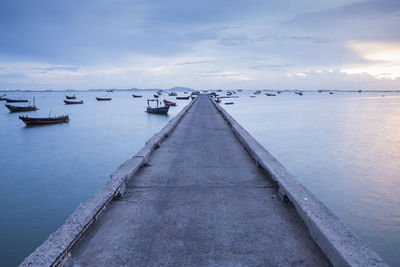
pixel 103 98
pixel 193 96
pixel 70 97
pixel 169 103
pixel 110 90
pixel 159 93
pixel 21 108
pixel 16 100
pixel 252 96
pixel 43 121
pixel 299 93
pixel 172 94
pixel 270 94
pixel 156 110
pixel 218 100
pixel 331 93
pixel 2 98
pixel 257 92
pixel 67 102
pixel 183 97
pixel 229 103
pixel 156 96
pixel 135 96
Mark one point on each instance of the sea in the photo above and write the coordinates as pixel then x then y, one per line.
pixel 344 147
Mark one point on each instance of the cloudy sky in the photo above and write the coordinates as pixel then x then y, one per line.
pixel 298 44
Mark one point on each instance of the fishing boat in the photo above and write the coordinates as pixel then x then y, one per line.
pixel 156 96
pixel 270 94
pixel 169 103
pixel 136 96
pixel 43 121
pixel 159 93
pixel 110 90
pixel 156 110
pixel 229 103
pixel 103 98
pixel 67 102
pixel 299 93
pixel 16 100
pixel 331 93
pixel 218 100
pixel 252 96
pixel 70 97
pixel 183 97
pixel 2 98
pixel 21 108
pixel 172 94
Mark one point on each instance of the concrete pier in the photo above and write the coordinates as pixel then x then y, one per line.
pixel 201 198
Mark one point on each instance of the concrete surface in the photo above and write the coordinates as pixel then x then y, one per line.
pixel 201 201
pixel 339 243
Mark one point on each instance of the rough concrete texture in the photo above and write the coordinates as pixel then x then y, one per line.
pixel 201 201
pixel 59 242
pixel 337 241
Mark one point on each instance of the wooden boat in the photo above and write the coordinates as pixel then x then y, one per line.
pixel 103 98
pixel 218 100
pixel 183 97
pixel 70 97
pixel 156 96
pixel 2 98
pixel 252 96
pixel 229 103
pixel 43 121
pixel 169 103
pixel 156 110
pixel 16 100
pixel 135 96
pixel 270 94
pixel 299 93
pixel 67 102
pixel 110 90
pixel 21 108
pixel 331 93
pixel 172 94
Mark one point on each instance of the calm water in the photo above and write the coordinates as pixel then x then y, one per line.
pixel 344 147
pixel 47 171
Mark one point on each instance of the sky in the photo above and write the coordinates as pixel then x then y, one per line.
pixel 226 44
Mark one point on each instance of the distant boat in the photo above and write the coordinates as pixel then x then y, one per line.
pixel 172 94
pixel 218 100
pixel 331 93
pixel 73 102
pixel 156 110
pixel 229 103
pixel 70 97
pixel 252 96
pixel 270 94
pixel 103 98
pixel 183 97
pixel 42 121
pixel 16 100
pixel 21 108
pixel 159 93
pixel 110 90
pixel 359 91
pixel 2 98
pixel 169 103
pixel 156 96
pixel 299 93
pixel 136 96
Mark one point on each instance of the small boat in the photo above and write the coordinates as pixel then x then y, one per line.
pixel 67 102
pixel 257 92
pixel 110 90
pixel 299 93
pixel 229 103
pixel 16 100
pixel 252 96
pixel 103 98
pixel 156 96
pixel 21 108
pixel 331 93
pixel 156 110
pixel 169 103
pixel 42 121
pixel 183 97
pixel 172 94
pixel 135 96
pixel 70 97
pixel 193 96
pixel 218 100
pixel 270 94
pixel 2 98
pixel 159 93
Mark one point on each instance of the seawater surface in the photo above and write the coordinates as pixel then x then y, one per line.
pixel 345 148
pixel 47 171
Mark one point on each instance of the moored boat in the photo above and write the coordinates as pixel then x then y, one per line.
pixel 70 97
pixel 16 100
pixel 103 98
pixel 229 103
pixel 156 96
pixel 67 102
pixel 183 97
pixel 136 96
pixel 21 108
pixel 172 94
pixel 156 110
pixel 43 121
pixel 3 98
pixel 169 103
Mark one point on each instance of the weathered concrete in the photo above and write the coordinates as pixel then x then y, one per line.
pixel 337 241
pixel 57 246
pixel 201 201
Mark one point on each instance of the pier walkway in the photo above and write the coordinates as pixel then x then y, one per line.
pixel 201 201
